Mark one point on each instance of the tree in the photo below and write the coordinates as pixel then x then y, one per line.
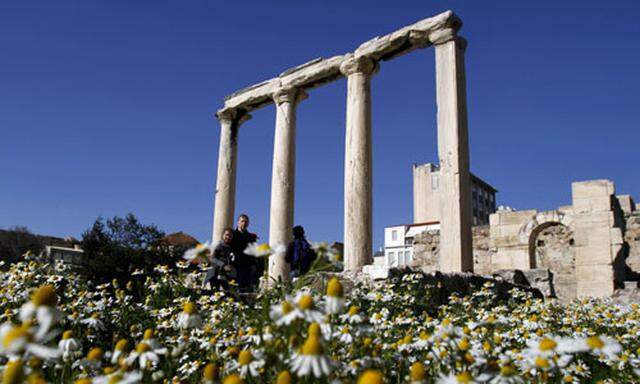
pixel 17 241
pixel 122 245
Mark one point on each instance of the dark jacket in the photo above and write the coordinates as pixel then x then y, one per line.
pixel 222 256
pixel 300 256
pixel 244 264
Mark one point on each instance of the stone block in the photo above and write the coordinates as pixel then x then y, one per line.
pixel 593 274
pixel 626 203
pixel 592 204
pixel 592 188
pixel 516 217
pixel 601 289
pixel 513 258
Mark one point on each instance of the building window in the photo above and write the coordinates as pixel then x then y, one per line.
pixel 394 235
pixel 407 257
pixel 434 182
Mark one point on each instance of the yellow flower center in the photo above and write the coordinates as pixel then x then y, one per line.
pixel 464 377
pixel 115 379
pixel 148 334
pixel 245 357
pixel 263 248
pixel 210 372
pixel 594 342
pixel 143 347
pixel 122 345
pixel 371 376
pixel 547 344
pixel 353 310
pixel 45 295
pixel 95 354
pixel 312 346
pixel 66 335
pixel 464 344
pixel 189 308
pixel 286 307
pixel 284 377
pixel 417 371
pixel 314 329
pixel 306 302
pixel 15 334
pixel 334 288
pixel 233 379
pixel 83 380
pixel 542 362
pixel 507 370
pixel 13 373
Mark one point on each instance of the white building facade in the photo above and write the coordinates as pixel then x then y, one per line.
pixel 398 243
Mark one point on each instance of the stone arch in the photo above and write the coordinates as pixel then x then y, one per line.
pixel 551 246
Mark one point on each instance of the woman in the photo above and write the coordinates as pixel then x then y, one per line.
pixel 222 271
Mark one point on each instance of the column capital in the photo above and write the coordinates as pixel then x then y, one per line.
pixel 445 35
pixel 289 95
pixel 232 115
pixel 358 64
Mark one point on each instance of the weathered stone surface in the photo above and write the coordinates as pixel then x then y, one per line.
pixel 321 70
pixel 453 152
pixel 357 165
pixel 283 178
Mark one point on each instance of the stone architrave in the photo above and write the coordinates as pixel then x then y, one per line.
pixel 283 178
pixel 230 121
pixel 357 165
pixel 453 152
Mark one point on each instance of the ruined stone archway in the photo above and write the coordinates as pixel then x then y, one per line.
pixel 551 246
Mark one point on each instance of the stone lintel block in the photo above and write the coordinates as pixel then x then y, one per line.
pixel 408 38
pixel 508 242
pixel 254 96
pixel 313 73
pixel 320 71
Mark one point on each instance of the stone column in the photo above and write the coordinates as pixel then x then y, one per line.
pixel 357 164
pixel 283 178
pixel 453 151
pixel 225 196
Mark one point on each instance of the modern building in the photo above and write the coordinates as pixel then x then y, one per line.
pixel 69 256
pixel 427 196
pixel 398 244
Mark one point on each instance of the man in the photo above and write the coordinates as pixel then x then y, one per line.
pixel 245 264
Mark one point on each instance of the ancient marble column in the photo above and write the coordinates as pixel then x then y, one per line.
pixel 453 151
pixel 283 178
pixel 357 165
pixel 225 197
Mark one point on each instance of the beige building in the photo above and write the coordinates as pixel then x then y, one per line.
pixel 427 194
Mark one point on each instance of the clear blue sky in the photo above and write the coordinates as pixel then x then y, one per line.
pixel 106 107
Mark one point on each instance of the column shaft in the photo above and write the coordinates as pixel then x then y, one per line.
pixel 456 253
pixel 357 166
pixel 283 179
pixel 226 178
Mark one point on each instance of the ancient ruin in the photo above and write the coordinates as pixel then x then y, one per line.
pixel 291 86
pixel 589 248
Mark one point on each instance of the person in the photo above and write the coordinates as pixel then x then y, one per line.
pixel 222 270
pixel 245 264
pixel 299 254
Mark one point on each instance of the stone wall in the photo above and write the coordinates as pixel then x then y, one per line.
pixel 589 248
pixel 426 251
